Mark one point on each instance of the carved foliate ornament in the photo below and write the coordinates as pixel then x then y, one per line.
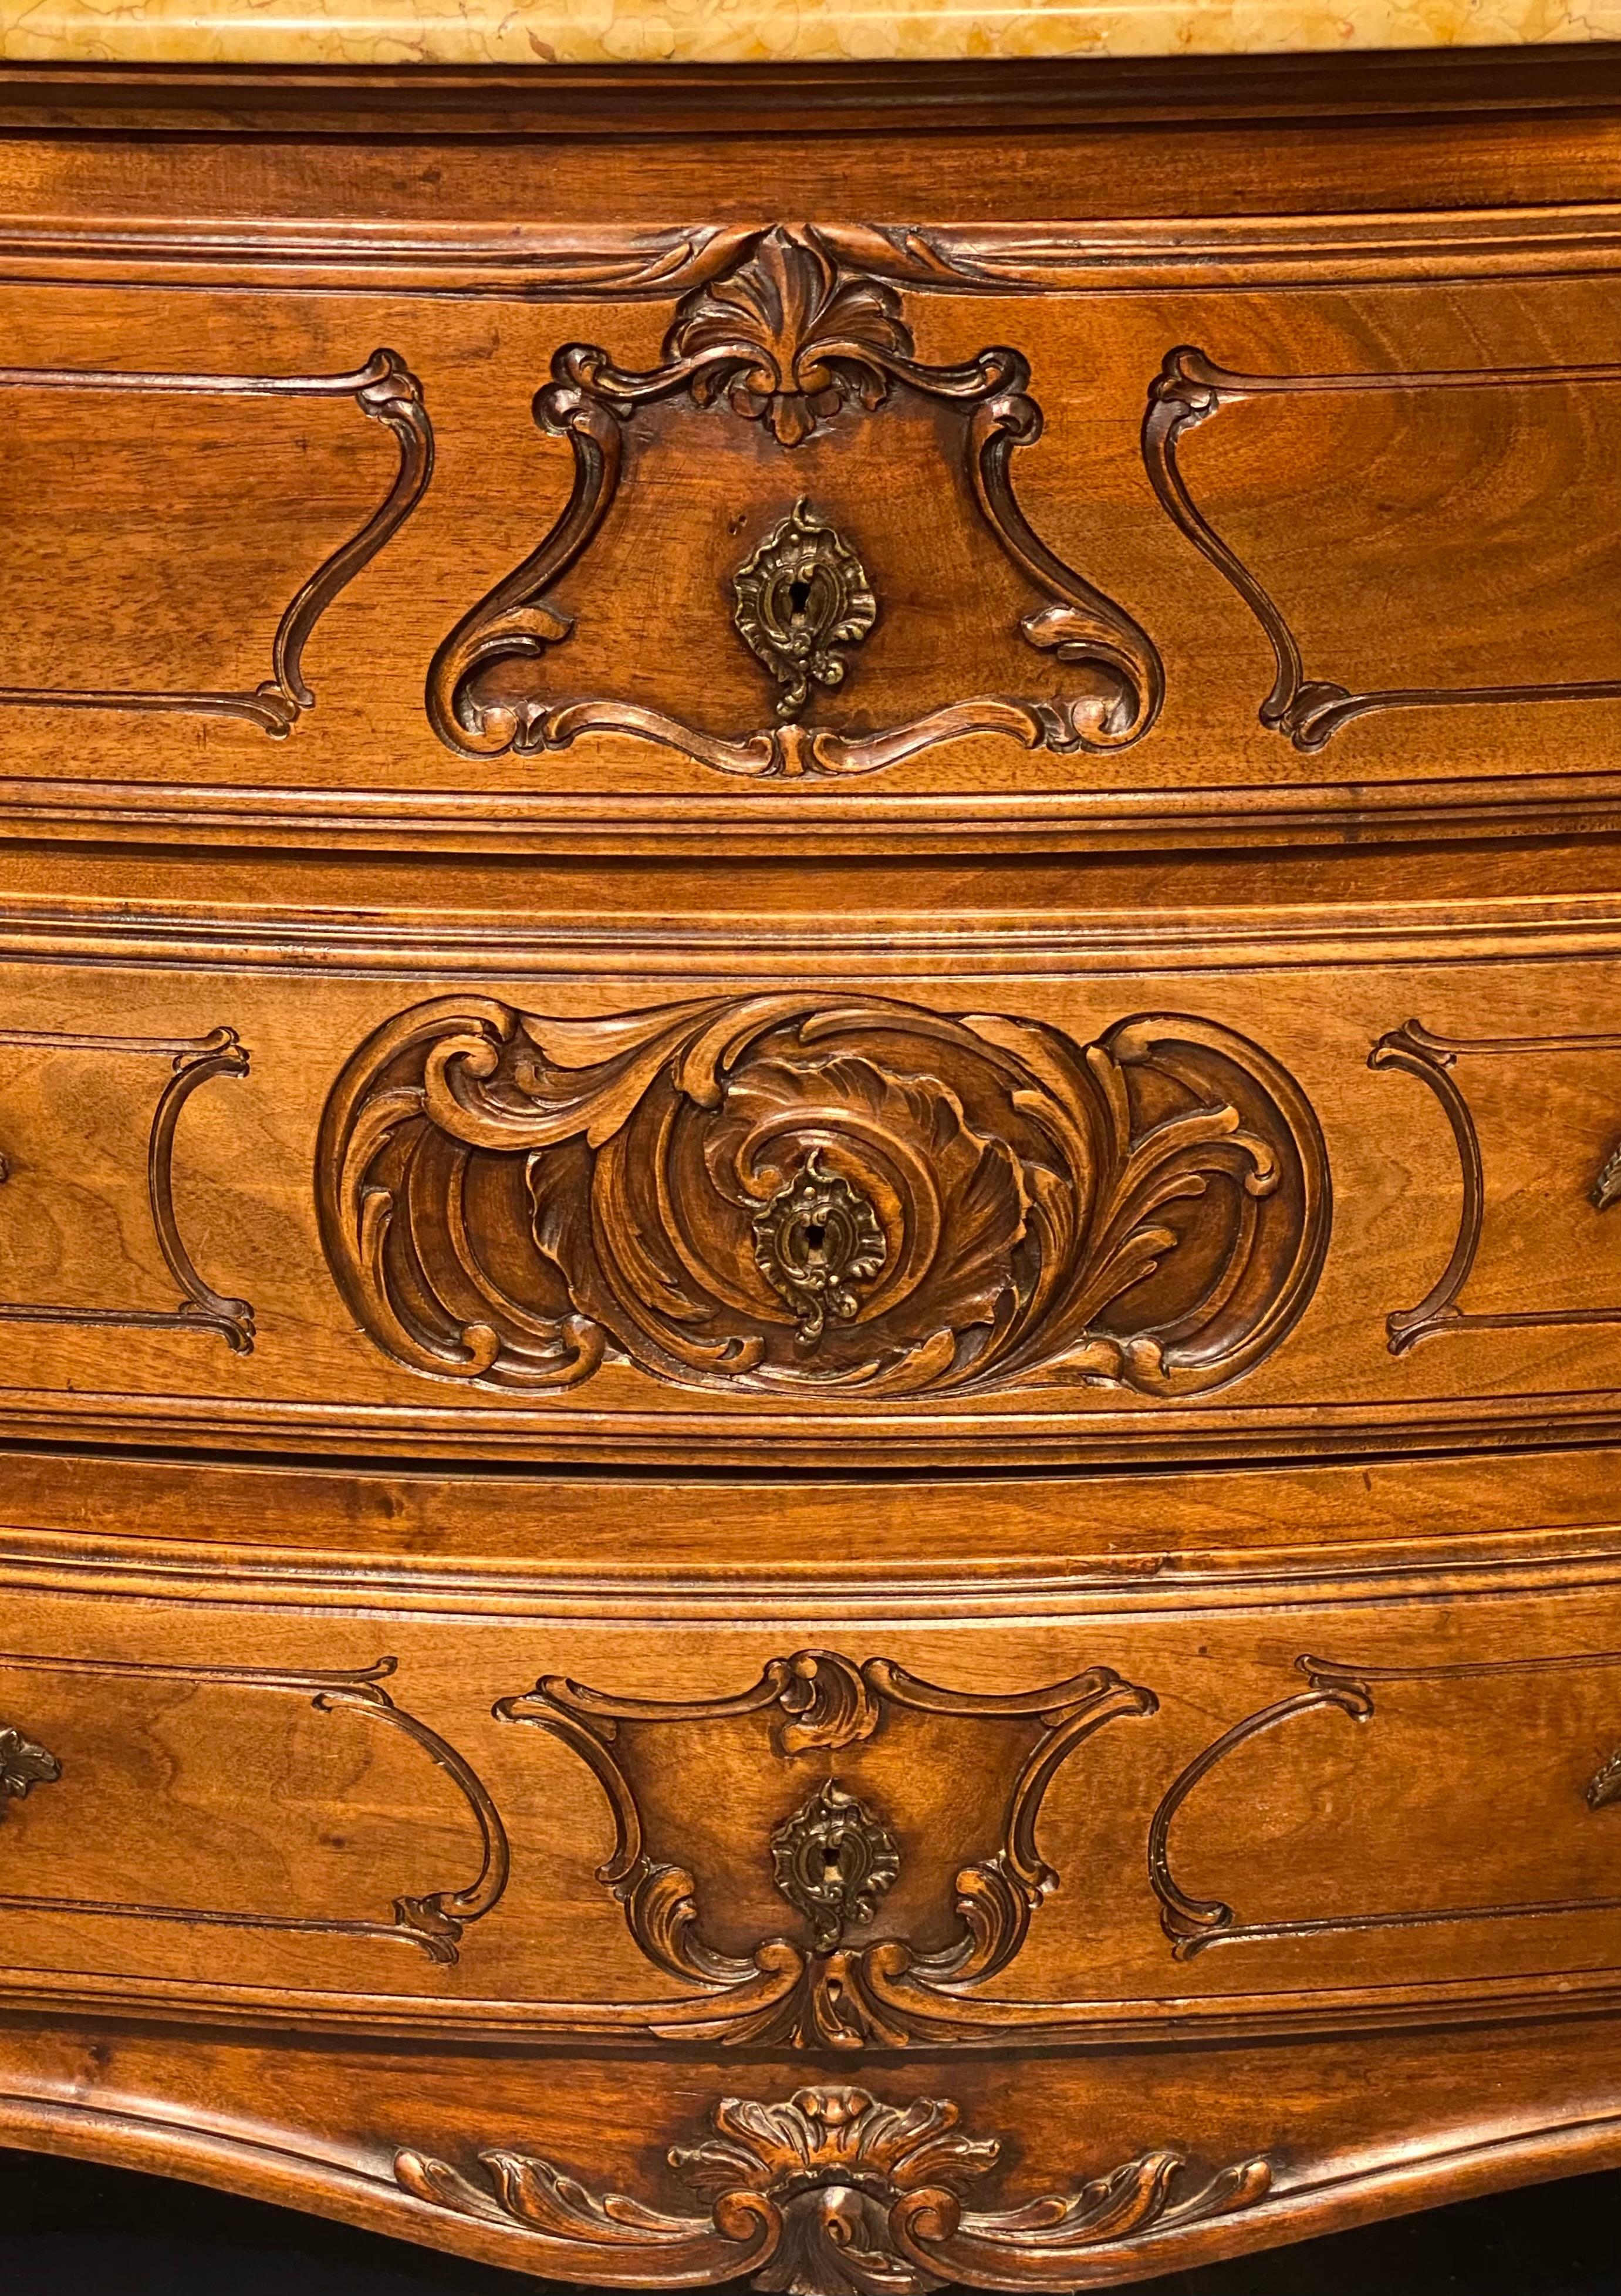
pixel 835 2193
pixel 514 1198
pixel 833 1861
pixel 24 1766
pixel 791 337
pixel 800 595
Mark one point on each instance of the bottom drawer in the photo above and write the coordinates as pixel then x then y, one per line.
pixel 1022 1932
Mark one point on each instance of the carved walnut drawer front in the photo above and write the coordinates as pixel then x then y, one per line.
pixel 810 1154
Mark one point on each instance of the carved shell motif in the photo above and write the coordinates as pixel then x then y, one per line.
pixel 511 1198
pixel 799 331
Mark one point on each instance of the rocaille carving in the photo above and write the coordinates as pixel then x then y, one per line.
pixel 835 2193
pixel 802 593
pixel 890 1989
pixel 24 1766
pixel 791 1191
pixel 792 339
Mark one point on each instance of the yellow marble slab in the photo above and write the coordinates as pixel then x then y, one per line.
pixel 383 32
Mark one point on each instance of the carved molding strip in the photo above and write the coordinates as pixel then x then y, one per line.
pixel 512 1198
pixel 836 1994
pixel 193 1061
pixel 1417 1052
pixel 385 392
pixel 1193 1923
pixel 605 261
pixel 1190 390
pixel 834 2193
pixel 789 338
pixel 435 1922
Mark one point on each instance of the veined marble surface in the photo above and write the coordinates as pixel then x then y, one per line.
pixel 385 32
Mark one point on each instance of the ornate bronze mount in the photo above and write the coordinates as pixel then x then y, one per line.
pixel 1606 1188
pixel 815 1238
pixel 1605 1786
pixel 833 1861
pixel 800 595
pixel 834 2193
pixel 24 1766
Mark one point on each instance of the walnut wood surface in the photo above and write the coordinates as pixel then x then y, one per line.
pixel 810 1104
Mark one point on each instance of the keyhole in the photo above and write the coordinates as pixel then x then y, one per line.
pixel 799 595
pixel 815 1234
pixel 830 1859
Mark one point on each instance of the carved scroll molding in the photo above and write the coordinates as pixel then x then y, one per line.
pixel 1417 1052
pixel 789 337
pixel 1190 390
pixel 834 2193
pixel 24 1766
pixel 434 1923
pixel 193 1062
pixel 511 1198
pixel 605 260
pixel 825 1988
pixel 385 392
pixel 1193 1923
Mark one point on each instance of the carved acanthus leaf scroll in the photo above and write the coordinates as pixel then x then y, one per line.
pixel 792 339
pixel 826 1988
pixel 835 2193
pixel 512 1198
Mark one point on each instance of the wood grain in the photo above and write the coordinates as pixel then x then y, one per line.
pixel 853 1526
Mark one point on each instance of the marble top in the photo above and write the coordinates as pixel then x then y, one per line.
pixel 538 32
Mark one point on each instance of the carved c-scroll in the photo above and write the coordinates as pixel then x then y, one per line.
pixel 384 389
pixel 509 1198
pixel 193 1062
pixel 434 1923
pixel 1193 1923
pixel 841 1993
pixel 1190 390
pixel 791 339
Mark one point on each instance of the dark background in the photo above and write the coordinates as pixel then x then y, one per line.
pixel 69 2230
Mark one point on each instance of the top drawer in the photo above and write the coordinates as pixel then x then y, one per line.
pixel 810 536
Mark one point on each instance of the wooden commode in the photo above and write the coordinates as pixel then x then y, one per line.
pixel 810 1088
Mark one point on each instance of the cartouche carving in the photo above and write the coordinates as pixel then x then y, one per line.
pixel 512 1198
pixel 384 389
pixel 895 1989
pixel 833 1861
pixel 1189 390
pixel 792 339
pixel 435 1922
pixel 1193 1923
pixel 1419 1051
pixel 193 1062
pixel 801 595
pixel 24 1766
pixel 835 2193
